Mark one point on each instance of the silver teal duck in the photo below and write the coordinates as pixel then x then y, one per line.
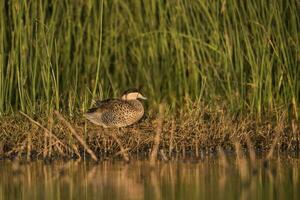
pixel 117 113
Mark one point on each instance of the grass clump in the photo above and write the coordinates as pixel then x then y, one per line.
pixel 190 135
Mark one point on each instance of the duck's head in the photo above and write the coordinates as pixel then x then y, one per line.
pixel 132 94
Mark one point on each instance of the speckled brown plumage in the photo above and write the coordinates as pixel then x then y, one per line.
pixel 116 112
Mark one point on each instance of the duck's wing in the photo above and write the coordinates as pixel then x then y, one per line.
pixel 99 103
pixel 102 106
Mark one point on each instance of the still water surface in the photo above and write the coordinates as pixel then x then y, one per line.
pixel 208 179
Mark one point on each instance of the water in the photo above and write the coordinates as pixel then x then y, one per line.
pixel 208 179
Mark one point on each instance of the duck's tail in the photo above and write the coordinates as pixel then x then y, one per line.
pixel 93 117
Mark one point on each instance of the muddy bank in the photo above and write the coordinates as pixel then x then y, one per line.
pixel 184 136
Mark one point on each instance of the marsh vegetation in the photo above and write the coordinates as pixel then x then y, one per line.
pixel 222 115
pixel 226 73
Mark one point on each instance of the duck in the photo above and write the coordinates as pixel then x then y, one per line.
pixel 117 113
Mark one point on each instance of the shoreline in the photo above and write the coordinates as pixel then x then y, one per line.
pixel 192 137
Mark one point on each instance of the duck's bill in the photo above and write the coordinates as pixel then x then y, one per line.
pixel 142 97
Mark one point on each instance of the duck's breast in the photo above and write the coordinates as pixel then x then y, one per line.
pixel 127 113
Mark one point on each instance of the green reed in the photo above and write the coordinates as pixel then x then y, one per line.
pixel 62 54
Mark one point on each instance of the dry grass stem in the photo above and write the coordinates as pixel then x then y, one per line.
pixel 278 132
pixel 222 157
pixel 251 150
pixel 163 155
pixel 122 151
pixel 80 140
pixel 171 137
pixel 153 155
pixel 47 132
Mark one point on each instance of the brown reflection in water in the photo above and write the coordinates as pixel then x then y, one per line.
pixel 224 178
